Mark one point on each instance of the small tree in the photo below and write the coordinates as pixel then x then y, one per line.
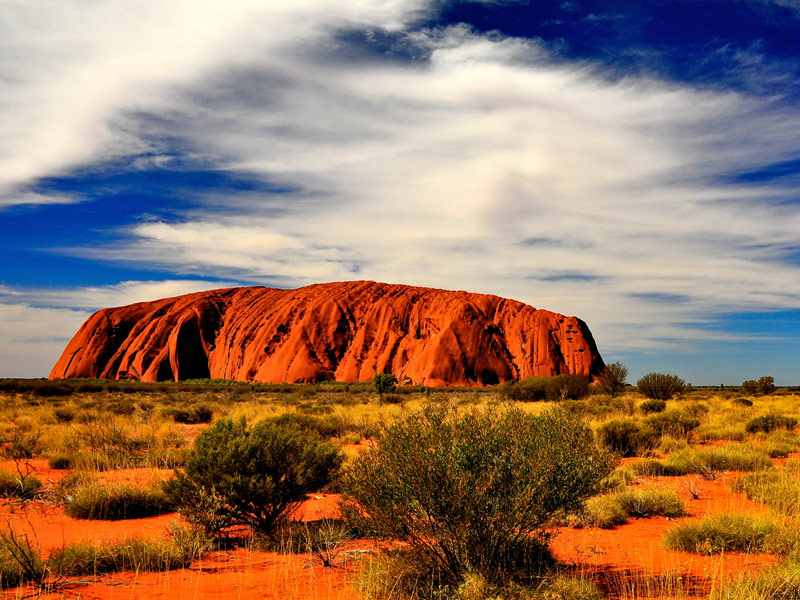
pixel 659 386
pixel 384 384
pixel 472 491
pixel 613 378
pixel 762 387
pixel 252 476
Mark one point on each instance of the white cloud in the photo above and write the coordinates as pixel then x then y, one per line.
pixel 431 173
pixel 33 338
pixel 97 297
pixel 68 68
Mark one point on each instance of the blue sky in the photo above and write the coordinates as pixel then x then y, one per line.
pixel 633 163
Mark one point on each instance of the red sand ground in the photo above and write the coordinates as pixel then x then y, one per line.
pixel 634 550
pixel 629 555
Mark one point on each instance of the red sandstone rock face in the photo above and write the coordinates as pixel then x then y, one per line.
pixel 335 331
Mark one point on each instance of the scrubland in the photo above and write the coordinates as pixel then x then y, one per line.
pixel 697 496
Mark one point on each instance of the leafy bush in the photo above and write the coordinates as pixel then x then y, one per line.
pixel 613 378
pixel 531 389
pixel 706 462
pixel 97 501
pixel 472 491
pixel 52 390
pixel 64 415
pixel 384 383
pixel 675 423
pixel 136 554
pixel 254 476
pixel 721 533
pixel 616 509
pixel 767 423
pixel 659 386
pixel 566 387
pixel 779 582
pixel 778 488
pixel 780 443
pixel 627 437
pixel 669 444
pixel 764 386
pixel 555 388
pixel 200 413
pixel 60 461
pixel 653 406
pixel 327 427
pixel 711 431
pixel 617 480
pixel 14 484
pixel 19 560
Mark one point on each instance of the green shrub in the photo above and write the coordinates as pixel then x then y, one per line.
pixel 531 389
pixel 669 444
pixel 781 443
pixel 554 388
pixel 651 467
pixel 778 488
pixel 659 386
pixel 327 426
pixel 64 415
pixel 653 406
pixel 674 423
pixel 709 431
pixel 605 512
pixel 256 475
pixel 22 443
pixel 60 461
pixel 779 582
pixel 627 437
pixel 706 462
pixel 52 390
pixel 472 492
pixel 200 413
pixel 764 386
pixel 644 504
pixel 97 501
pixel 617 480
pixel 19 560
pixel 613 378
pixel 16 485
pixel 136 554
pixel 566 387
pixel 721 533
pixel 767 423
pixel 612 510
pixel 384 383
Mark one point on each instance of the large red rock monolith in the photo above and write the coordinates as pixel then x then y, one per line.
pixel 343 331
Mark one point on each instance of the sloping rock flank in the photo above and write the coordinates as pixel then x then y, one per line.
pixel 336 331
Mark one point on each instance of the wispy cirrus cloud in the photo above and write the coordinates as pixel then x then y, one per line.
pixel 437 156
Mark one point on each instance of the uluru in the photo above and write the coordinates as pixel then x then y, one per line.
pixel 344 331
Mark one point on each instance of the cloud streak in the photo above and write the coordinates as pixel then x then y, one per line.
pixel 470 161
